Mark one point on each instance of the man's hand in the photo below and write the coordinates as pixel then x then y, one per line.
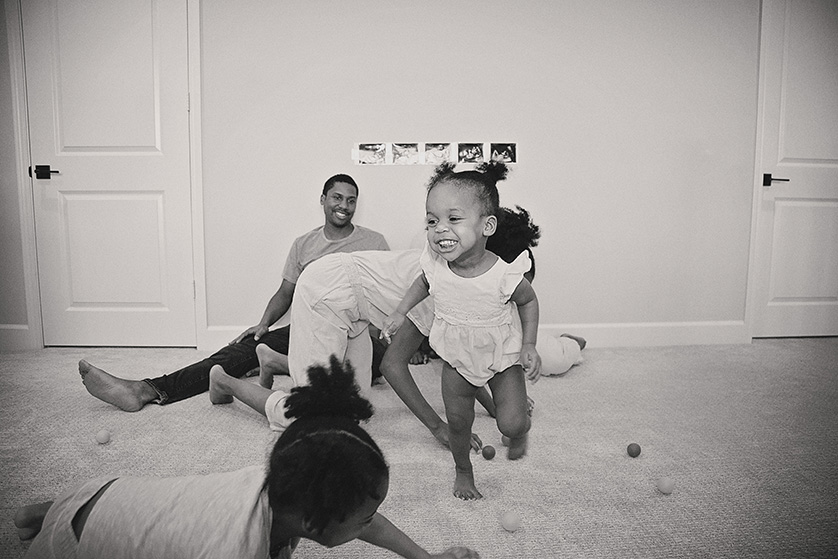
pixel 258 331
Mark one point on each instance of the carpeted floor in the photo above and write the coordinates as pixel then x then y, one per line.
pixel 749 434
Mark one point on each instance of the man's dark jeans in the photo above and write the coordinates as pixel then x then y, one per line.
pixel 237 360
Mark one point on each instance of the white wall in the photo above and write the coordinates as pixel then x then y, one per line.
pixel 635 123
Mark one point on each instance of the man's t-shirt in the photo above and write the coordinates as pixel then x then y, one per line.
pixel 314 244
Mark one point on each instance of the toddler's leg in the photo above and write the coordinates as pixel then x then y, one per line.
pixel 359 355
pixel 30 518
pixel 458 396
pixel 509 389
pixel 486 400
pixel 270 363
pixel 223 388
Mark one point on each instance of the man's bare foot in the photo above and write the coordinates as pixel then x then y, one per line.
pixel 127 395
pixel 464 487
pixel 218 387
pixel 517 448
pixel 578 339
pixel 270 363
pixel 29 519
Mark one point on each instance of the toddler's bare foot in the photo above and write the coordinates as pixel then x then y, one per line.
pixel 217 386
pixel 270 363
pixel 517 448
pixel 127 395
pixel 464 487
pixel 29 519
pixel 579 340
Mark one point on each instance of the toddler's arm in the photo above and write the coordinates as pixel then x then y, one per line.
pixel 382 533
pixel 415 293
pixel 524 296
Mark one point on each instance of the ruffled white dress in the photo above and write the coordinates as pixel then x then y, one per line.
pixel 476 328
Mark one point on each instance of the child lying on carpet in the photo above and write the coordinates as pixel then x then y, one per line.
pixel 324 481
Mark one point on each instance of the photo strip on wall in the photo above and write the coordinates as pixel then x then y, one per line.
pixel 433 153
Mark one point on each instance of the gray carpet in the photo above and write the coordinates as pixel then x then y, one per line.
pixel 749 434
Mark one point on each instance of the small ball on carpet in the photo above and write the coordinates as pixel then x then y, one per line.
pixel 510 521
pixel 666 485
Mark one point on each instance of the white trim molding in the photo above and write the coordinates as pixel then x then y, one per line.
pixel 29 335
pixel 204 337
pixel 654 333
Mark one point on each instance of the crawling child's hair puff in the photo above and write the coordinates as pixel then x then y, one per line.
pixel 324 464
pixel 330 392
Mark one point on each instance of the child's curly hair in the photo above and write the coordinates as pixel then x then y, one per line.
pixel 515 233
pixel 483 179
pixel 325 464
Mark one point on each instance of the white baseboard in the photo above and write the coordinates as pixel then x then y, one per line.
pixel 649 334
pixel 641 334
pixel 19 337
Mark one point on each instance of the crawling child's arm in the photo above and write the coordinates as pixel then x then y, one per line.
pixel 416 292
pixel 382 533
pixel 524 296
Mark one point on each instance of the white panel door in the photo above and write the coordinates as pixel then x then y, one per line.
pixel 796 251
pixel 107 88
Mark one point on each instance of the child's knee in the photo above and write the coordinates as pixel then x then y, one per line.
pixel 515 425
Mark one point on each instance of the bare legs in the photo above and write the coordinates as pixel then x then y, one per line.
pixel 270 363
pixel 29 519
pixel 510 396
pixel 458 397
pixel 127 395
pixel 223 388
pixel 509 389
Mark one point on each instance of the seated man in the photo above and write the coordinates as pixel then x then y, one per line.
pixel 337 234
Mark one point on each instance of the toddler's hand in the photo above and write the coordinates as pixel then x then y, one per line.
pixel 391 325
pixel 531 362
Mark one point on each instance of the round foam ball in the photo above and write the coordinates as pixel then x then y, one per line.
pixel 666 485
pixel 510 521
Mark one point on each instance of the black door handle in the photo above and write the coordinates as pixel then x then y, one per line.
pixel 43 171
pixel 767 179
